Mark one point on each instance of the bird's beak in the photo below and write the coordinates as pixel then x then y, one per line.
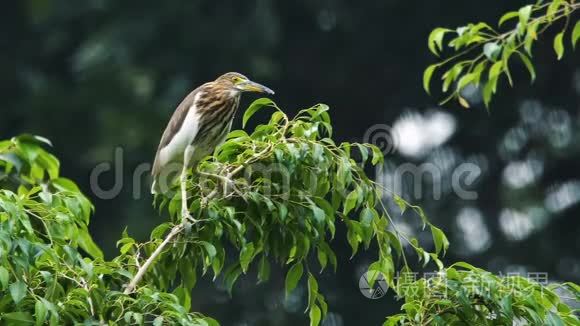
pixel 250 86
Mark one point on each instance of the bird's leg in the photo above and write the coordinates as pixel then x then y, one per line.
pixel 185 214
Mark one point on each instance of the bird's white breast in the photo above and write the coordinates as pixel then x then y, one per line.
pixel 184 136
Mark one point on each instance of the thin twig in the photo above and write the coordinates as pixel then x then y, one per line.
pixel 141 272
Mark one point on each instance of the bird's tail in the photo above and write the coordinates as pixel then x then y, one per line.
pixel 161 185
pixel 155 189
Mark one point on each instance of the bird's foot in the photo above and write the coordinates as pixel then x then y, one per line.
pixel 229 186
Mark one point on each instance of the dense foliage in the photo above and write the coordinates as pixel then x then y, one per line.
pixel 272 196
pixel 51 272
pixel 275 196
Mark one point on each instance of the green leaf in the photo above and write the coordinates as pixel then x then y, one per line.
pixel 318 213
pixel 374 271
pixel 435 41
pixel 395 320
pixel 312 290
pixel 329 253
pixel 246 256
pixel 354 236
pixel 427 77
pixel 528 65
pixel 65 184
pixel 254 107
pixel 395 242
pixel 488 92
pixel 508 16
pixel 231 276
pixel 293 277
pixel 36 139
pixel 495 70
pixel 18 291
pixel 17 318
pixel 378 156
pixel 315 316
pixel 238 134
pixel 350 202
pixel 210 321
pixel 209 249
pixel 4 277
pixel 400 202
pixel 440 240
pixel 126 247
pixel 159 231
pixel 366 216
pixel 524 15
pixel 323 305
pixel 559 45
pixel 451 75
pixel 263 270
pixel 506 307
pixel 464 265
pixel 50 164
pixel 218 262
pixel 465 80
pixel 322 259
pixel 576 34
pixel 531 36
pixel 553 8
pixel 88 245
pixel 40 312
pixel 554 320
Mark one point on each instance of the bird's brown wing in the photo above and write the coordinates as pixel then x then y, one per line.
pixel 173 127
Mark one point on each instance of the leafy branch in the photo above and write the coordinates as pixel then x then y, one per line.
pixel 275 196
pixel 481 54
pixel 464 294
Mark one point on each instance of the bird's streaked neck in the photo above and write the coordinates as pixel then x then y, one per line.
pixel 234 92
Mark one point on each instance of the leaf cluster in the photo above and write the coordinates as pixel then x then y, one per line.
pixel 480 55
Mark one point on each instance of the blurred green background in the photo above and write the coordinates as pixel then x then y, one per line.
pixel 96 75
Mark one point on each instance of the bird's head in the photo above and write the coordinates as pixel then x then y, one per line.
pixel 240 83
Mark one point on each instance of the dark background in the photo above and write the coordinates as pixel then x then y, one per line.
pixel 95 75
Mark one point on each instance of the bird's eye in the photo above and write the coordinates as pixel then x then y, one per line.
pixel 237 80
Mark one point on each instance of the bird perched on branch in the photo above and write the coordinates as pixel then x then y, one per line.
pixel 198 125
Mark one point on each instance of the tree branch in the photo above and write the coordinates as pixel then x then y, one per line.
pixel 180 227
pixel 143 269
